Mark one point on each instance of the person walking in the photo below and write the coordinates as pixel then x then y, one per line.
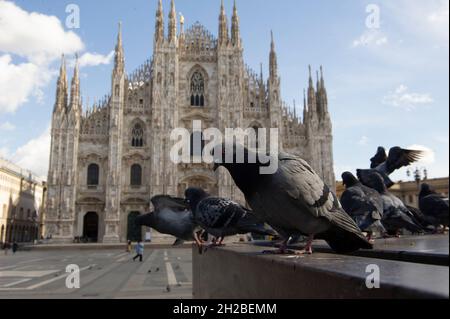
pixel 15 247
pixel 139 251
pixel 129 247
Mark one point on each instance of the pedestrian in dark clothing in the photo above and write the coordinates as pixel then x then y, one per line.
pixel 15 247
pixel 139 251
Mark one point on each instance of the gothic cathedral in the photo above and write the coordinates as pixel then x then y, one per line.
pixel 107 161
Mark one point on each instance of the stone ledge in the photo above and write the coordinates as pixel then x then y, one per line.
pixel 241 271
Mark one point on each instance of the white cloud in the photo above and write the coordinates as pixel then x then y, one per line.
pixel 38 37
pixel 94 59
pixel 20 81
pixel 429 155
pixel 34 155
pixel 7 126
pixel 370 38
pixel 427 19
pixel 407 100
pixel 40 40
pixel 363 141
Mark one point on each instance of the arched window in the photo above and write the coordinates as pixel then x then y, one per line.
pixel 197 89
pixel 136 175
pixel 137 136
pixel 93 174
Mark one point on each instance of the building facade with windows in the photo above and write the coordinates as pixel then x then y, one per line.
pixel 21 204
pixel 107 162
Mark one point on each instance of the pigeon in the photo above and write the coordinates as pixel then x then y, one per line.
pixel 425 221
pixel 379 158
pixel 433 206
pixel 396 215
pixel 363 204
pixel 295 201
pixel 397 159
pixel 222 217
pixel 171 216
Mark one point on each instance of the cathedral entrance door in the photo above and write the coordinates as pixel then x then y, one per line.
pixel 134 231
pixel 90 227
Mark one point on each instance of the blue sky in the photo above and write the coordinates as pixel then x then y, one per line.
pixel 387 86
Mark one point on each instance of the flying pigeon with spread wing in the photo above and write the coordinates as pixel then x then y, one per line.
pixel 397 159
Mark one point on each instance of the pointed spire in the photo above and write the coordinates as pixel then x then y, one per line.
pixel 119 59
pixel 235 29
pixel 311 94
pixel 295 110
pixel 62 87
pixel 323 92
pixel 75 88
pixel 273 59
pixel 311 84
pixel 261 75
pixel 223 26
pixel 181 24
pixel 318 81
pixel 322 81
pixel 305 106
pixel 159 25
pixel 172 22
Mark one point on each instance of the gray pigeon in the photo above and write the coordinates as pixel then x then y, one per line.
pixel 363 204
pixel 397 159
pixel 379 158
pixel 433 206
pixel 396 215
pixel 296 201
pixel 222 217
pixel 172 216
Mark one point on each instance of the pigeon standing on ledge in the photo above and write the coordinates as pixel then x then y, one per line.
pixel 396 215
pixel 295 201
pixel 171 216
pixel 433 206
pixel 363 204
pixel 397 159
pixel 222 217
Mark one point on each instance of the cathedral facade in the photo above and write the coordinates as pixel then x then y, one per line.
pixel 107 161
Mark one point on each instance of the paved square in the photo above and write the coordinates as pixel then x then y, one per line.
pixel 108 274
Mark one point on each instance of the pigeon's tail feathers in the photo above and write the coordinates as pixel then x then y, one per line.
pixel 399 221
pixel 344 236
pixel 249 223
